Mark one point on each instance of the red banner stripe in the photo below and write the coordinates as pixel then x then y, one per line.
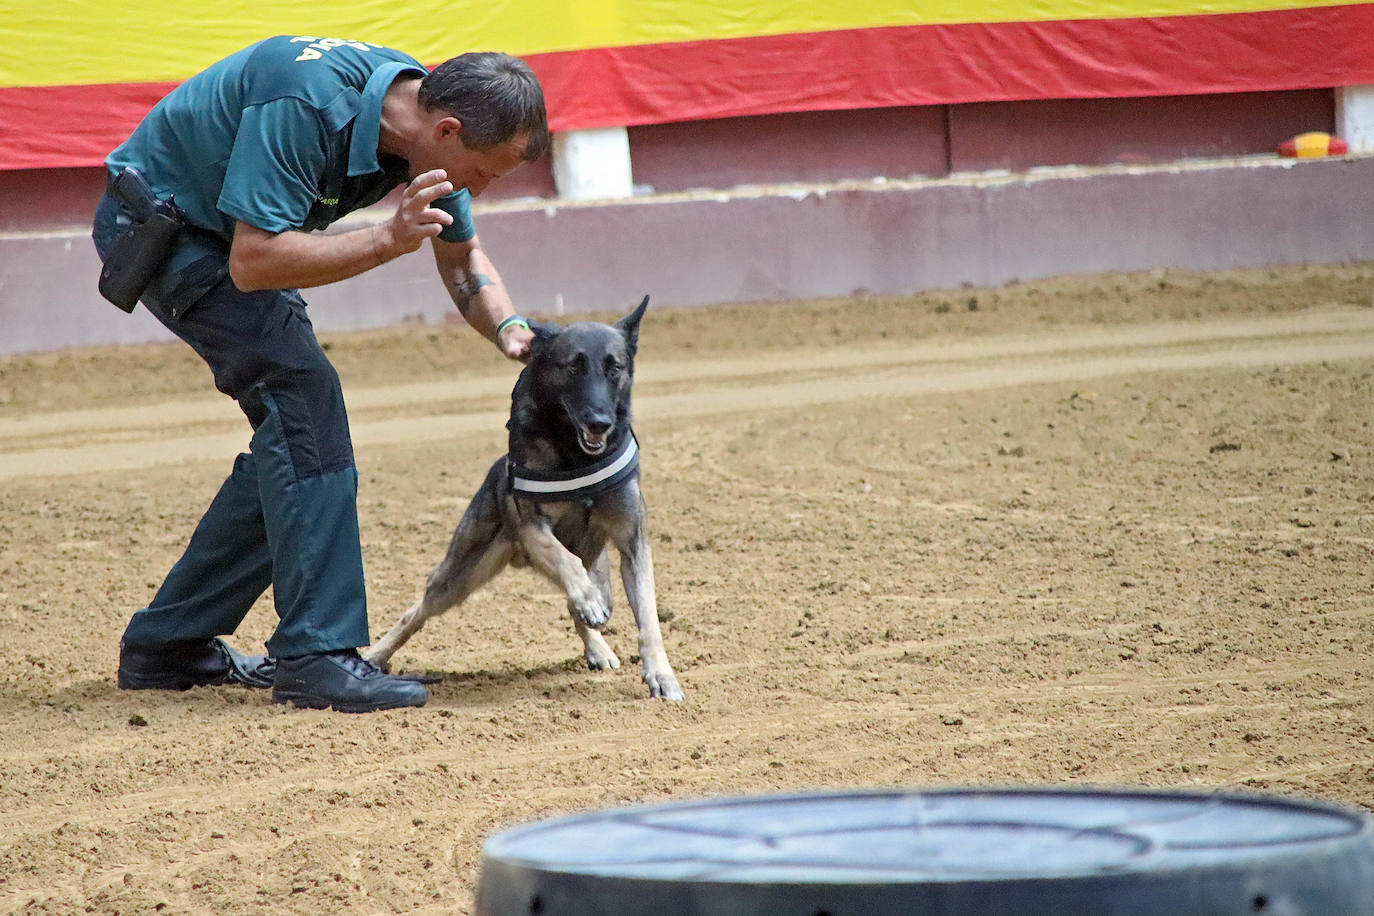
pixel 57 126
pixel 70 126
pixel 1307 48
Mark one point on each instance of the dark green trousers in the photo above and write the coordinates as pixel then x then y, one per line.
pixel 287 516
pixel 266 527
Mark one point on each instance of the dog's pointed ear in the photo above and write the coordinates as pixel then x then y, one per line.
pixel 629 325
pixel 543 333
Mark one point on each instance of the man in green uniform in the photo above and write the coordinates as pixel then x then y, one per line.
pixel 248 156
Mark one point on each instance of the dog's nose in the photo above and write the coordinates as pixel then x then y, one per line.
pixel 598 426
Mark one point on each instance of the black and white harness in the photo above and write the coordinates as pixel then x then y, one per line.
pixel 583 483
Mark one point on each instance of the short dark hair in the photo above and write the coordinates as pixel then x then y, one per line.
pixel 495 95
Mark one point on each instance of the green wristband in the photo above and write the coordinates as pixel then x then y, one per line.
pixel 514 319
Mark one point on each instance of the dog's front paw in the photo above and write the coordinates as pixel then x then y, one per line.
pixel 591 608
pixel 601 659
pixel 598 654
pixel 663 685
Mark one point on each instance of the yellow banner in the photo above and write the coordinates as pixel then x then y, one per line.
pixel 79 42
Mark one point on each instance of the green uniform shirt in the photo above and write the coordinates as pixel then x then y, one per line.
pixel 281 135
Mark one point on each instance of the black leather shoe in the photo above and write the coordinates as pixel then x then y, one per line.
pixel 197 663
pixel 343 681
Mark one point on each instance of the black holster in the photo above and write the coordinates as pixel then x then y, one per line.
pixel 137 255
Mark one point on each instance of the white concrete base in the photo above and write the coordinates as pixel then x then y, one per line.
pixel 592 164
pixel 1355 118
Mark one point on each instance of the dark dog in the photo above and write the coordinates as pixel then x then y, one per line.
pixel 568 487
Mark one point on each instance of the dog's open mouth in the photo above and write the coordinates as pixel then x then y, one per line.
pixel 592 443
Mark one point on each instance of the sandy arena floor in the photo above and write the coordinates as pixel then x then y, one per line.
pixel 1115 530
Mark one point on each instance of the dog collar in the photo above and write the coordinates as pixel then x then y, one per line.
pixel 602 477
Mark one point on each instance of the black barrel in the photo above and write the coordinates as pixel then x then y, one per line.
pixel 952 852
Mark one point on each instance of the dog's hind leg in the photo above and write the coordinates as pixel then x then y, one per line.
pixel 599 655
pixel 381 651
pixel 479 550
pixel 450 584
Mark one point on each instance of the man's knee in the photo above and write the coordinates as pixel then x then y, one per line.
pixel 315 378
pixel 306 404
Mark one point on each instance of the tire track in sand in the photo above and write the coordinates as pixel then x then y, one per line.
pixel 147 436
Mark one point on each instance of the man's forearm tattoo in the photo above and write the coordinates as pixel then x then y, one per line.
pixel 465 291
